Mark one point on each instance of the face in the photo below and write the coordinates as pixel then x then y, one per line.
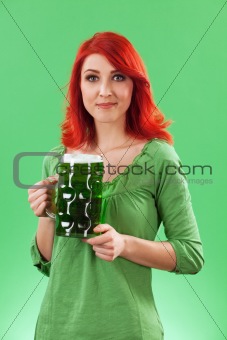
pixel 106 92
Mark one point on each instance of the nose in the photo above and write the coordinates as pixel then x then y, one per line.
pixel 105 89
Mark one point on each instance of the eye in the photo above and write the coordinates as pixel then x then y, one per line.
pixel 91 78
pixel 119 77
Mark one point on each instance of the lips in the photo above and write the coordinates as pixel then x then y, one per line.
pixel 106 105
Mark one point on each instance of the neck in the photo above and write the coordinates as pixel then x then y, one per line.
pixel 109 136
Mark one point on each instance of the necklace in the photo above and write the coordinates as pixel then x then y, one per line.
pixel 119 146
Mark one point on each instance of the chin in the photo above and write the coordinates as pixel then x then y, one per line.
pixel 105 120
pixel 108 117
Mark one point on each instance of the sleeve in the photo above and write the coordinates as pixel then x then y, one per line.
pixel 38 261
pixel 174 206
pixel 46 167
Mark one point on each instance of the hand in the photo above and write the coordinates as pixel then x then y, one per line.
pixel 107 246
pixel 42 199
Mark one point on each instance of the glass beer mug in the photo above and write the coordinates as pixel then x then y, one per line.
pixel 79 195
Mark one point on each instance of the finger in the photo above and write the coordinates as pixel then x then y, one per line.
pixel 48 182
pixel 103 250
pixel 107 246
pixel 43 198
pixel 104 238
pixel 39 193
pixel 40 183
pixel 41 209
pixel 102 228
pixel 34 193
pixel 30 191
pixel 105 257
pixel 53 179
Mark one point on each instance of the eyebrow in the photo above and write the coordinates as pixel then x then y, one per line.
pixel 96 71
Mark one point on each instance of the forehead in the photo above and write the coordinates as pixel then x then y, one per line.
pixel 98 62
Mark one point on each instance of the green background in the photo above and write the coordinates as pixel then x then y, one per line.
pixel 184 47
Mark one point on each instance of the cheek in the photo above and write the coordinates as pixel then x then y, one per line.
pixel 87 94
pixel 126 94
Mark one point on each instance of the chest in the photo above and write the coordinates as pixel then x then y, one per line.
pixel 116 162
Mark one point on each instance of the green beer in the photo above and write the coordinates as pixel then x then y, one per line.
pixel 79 195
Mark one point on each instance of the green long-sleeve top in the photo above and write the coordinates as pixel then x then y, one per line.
pixel 88 298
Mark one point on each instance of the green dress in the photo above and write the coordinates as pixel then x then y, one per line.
pixel 88 298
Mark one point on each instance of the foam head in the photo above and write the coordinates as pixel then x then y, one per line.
pixel 81 158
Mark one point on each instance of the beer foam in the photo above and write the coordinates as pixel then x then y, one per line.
pixel 81 158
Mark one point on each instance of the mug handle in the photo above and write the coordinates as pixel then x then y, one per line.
pixel 48 212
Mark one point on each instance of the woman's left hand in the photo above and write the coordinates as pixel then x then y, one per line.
pixel 107 246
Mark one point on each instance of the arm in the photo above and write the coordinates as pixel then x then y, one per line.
pixel 41 199
pixel 45 237
pixel 42 242
pixel 174 206
pixel 182 252
pixel 159 255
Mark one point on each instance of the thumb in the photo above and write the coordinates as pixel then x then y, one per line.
pixel 102 228
pixel 53 179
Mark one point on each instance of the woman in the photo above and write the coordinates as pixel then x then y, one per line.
pixel 101 287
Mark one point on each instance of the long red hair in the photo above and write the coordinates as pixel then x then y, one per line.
pixel 143 118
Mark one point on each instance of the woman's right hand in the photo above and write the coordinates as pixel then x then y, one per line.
pixel 42 199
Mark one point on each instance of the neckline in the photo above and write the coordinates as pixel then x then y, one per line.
pixel 135 161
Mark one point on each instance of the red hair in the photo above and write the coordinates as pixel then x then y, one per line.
pixel 143 118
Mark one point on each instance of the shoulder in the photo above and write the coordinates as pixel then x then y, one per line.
pixel 53 156
pixel 55 153
pixel 161 150
pixel 58 149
